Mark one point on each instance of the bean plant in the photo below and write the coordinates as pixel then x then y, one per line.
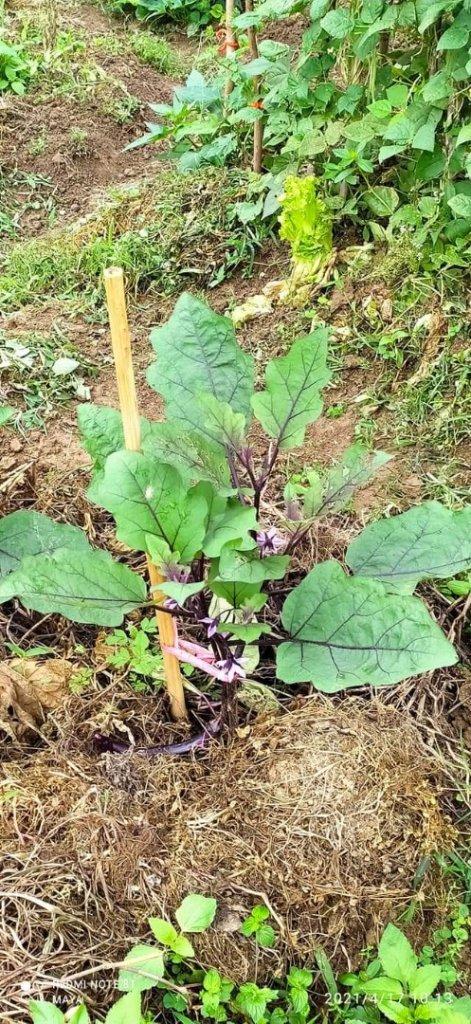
pixel 375 98
pixel 207 499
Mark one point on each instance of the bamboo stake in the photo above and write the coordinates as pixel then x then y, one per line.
pixel 121 343
pixel 230 42
pixel 258 125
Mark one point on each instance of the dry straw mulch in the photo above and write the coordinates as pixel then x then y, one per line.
pixel 323 813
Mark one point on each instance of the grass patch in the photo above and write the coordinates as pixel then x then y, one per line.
pixel 436 411
pixel 418 339
pixel 148 48
pixel 164 234
pixel 86 83
pixel 70 70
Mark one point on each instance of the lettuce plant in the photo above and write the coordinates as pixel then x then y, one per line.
pixel 193 499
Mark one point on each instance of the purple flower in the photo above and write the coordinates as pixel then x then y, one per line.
pixel 171 604
pixel 211 626
pixel 269 541
pixel 233 668
pixel 176 573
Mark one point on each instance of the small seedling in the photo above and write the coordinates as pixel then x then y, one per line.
pixel 393 987
pixel 401 987
pixel 131 650
pixel 256 925
pixel 79 144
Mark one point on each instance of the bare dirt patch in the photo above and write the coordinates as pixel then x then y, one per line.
pixel 79 176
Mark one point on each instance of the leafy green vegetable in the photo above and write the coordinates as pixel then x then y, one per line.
pixel 305 222
pixel 217 544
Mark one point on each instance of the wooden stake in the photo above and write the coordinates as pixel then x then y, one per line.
pixel 258 125
pixel 121 341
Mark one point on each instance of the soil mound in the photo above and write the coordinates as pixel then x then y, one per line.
pixel 323 813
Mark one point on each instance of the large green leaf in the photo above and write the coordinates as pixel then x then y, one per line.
pixel 248 567
pixel 149 497
pixel 425 981
pixel 27 532
pixel 338 23
pixel 197 91
pixel 229 426
pixel 196 913
pixel 145 960
pixel 234 592
pixel 382 200
pixel 461 205
pixel 102 434
pixel 198 354
pixel 347 631
pixel 438 88
pixel 101 431
pixel 397 957
pixel 45 1013
pixel 180 592
pixel 126 1010
pixel 427 542
pixel 193 455
pixel 80 585
pixel 231 526
pixel 457 34
pixel 292 399
pixel 427 13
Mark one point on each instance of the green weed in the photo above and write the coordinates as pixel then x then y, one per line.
pixel 436 411
pixel 158 53
pixel 38 145
pixel 38 373
pixel 131 649
pixel 162 236
pixel 21 193
pixel 148 48
pixel 396 984
pixel 78 142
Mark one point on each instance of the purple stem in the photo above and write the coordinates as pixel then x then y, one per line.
pixel 109 744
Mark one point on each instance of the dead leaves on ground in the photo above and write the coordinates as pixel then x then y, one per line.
pixel 28 690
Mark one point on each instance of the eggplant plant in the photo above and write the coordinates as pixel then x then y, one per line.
pixel 193 499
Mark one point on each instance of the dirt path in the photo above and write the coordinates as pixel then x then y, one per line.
pixel 74 137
